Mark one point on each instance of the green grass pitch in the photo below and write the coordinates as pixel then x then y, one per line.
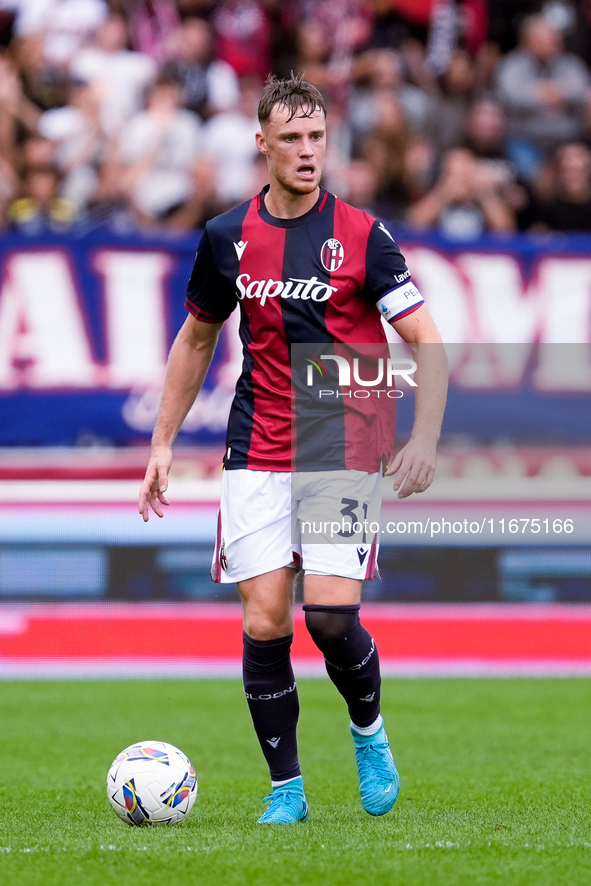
pixel 496 777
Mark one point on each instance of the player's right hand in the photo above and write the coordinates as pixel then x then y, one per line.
pixel 155 483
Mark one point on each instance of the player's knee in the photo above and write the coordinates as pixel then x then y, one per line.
pixel 267 626
pixel 322 626
pixel 326 624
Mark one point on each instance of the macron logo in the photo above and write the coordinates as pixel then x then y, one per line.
pixel 382 228
pixel 240 247
pixel 362 555
pixel 272 741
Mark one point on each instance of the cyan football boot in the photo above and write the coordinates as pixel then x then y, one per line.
pixel 288 804
pixel 379 782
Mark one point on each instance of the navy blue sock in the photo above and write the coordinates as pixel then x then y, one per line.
pixel 272 696
pixel 350 656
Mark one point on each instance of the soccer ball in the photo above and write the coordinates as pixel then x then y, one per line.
pixel 152 783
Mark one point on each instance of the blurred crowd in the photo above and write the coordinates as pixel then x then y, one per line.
pixel 460 116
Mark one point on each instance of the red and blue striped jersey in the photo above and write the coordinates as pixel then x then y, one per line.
pixel 312 279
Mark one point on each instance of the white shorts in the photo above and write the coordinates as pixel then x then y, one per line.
pixel 325 522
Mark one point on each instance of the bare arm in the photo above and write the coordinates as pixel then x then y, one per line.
pixel 498 214
pixel 426 211
pixel 413 468
pixel 187 367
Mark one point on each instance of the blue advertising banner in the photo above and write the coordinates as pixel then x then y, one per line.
pixel 86 324
pixel 85 328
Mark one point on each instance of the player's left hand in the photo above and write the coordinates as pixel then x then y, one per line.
pixel 155 483
pixel 413 468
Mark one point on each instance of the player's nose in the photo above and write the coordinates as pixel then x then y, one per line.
pixel 306 148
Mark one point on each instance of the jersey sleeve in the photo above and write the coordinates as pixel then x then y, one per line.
pixel 388 282
pixel 210 296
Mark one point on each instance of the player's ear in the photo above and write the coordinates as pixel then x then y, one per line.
pixel 261 143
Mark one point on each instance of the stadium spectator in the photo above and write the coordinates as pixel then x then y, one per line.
pixel 503 19
pixel 339 149
pixel 396 23
pixel 64 26
pixel 229 140
pixel 156 151
pixel 380 70
pixel 209 85
pixel 329 36
pixel 202 202
pixel 465 202
pixel 79 141
pixel 243 36
pixel 40 208
pixel 20 116
pixel 568 204
pixel 486 137
pixel 45 87
pixel 387 147
pixel 151 24
pixel 10 95
pixel 452 101
pixel 343 21
pixel 119 76
pixel 8 188
pixel 371 59
pixel 36 153
pixel 313 54
pixel 543 90
pixel 285 18
pixel 109 206
pixel 361 186
pixel 486 130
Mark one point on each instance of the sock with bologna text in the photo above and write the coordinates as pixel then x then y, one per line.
pixel 350 656
pixel 272 697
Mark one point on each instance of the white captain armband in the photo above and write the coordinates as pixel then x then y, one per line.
pixel 399 301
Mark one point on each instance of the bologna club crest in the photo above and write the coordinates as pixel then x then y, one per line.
pixel 223 558
pixel 332 254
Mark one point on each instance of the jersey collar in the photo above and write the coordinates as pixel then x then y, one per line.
pixel 289 222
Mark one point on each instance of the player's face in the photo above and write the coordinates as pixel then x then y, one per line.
pixel 294 149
